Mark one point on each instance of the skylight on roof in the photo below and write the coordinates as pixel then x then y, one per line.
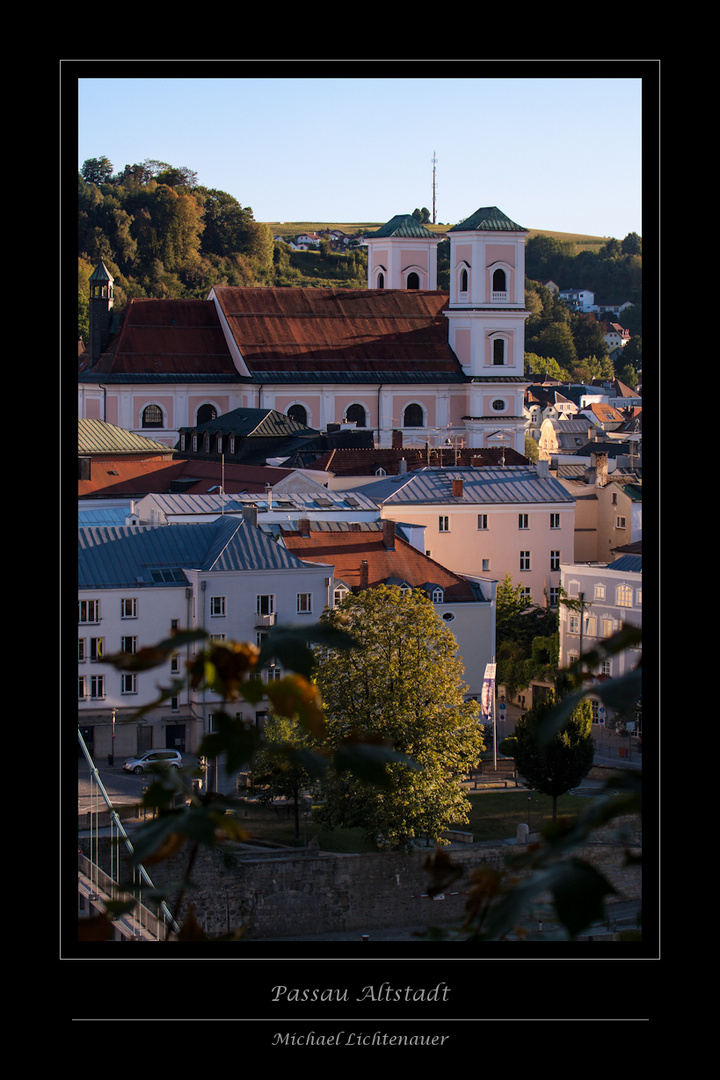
pixel 168 574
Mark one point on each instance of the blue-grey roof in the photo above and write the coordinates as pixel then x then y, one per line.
pixel 501 486
pixel 627 564
pixel 146 555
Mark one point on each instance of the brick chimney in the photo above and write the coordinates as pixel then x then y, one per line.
pixel 303 526
pixel 389 535
pixel 364 574
pixel 457 489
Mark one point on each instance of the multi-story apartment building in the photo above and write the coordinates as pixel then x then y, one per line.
pixel 611 597
pixel 138 584
pixel 488 523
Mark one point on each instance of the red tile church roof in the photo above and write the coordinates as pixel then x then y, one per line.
pixel 332 329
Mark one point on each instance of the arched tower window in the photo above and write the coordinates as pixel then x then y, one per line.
pixel 356 415
pixel 463 281
pixel 298 413
pixel 499 281
pixel 413 416
pixel 381 281
pixel 205 413
pixel 413 281
pixel 498 351
pixel 152 416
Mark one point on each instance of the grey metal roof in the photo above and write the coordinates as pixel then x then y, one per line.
pixel 627 564
pixel 114 557
pixel 233 505
pixel 488 485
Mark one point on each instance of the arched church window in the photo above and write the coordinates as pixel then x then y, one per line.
pixel 381 281
pixel 413 416
pixel 152 416
pixel 413 281
pixel 356 415
pixel 498 351
pixel 463 281
pixel 205 413
pixel 499 281
pixel 298 413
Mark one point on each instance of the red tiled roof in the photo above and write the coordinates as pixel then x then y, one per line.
pixel 120 476
pixel 167 337
pixel 336 329
pixel 346 551
pixel 363 462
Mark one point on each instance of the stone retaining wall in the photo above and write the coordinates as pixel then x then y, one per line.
pixel 289 894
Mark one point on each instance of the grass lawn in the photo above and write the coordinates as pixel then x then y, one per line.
pixel 494 816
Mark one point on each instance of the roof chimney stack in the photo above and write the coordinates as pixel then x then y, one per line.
pixel 389 535
pixel 457 489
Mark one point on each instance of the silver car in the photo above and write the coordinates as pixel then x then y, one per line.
pixel 153 758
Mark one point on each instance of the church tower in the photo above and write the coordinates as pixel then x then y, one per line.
pixel 402 255
pixel 101 303
pixel 486 324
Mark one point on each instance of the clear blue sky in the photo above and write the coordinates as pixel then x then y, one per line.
pixel 557 153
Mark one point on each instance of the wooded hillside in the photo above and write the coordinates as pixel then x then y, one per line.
pixel 163 235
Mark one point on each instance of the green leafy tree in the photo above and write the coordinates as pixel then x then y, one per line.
pixel 401 687
pixel 279 766
pixel 552 766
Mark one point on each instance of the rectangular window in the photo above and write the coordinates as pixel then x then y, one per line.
pixel 217 606
pixel 522 521
pixel 128 644
pixel 482 521
pixel 599 591
pixel 82 692
pixel 554 595
pixel 97 686
pixel 88 611
pixel 128 608
pixel 554 521
pixel 554 560
pixel 81 650
pixel 96 648
pixel 607 627
pixel 443 524
pixel 619 522
pixel 128 684
pixel 524 560
pixel 486 564
pixel 624 596
pixel 265 605
pixel 304 603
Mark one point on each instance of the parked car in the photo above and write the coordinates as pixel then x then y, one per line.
pixel 151 758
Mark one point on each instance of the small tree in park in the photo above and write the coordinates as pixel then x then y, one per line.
pixel 556 763
pixel 401 687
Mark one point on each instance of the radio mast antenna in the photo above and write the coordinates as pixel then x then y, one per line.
pixel 434 163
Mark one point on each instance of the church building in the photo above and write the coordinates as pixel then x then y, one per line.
pixel 413 364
